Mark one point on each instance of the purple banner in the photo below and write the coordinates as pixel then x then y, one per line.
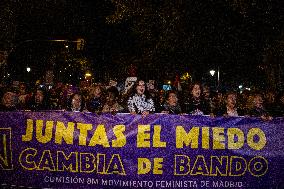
pixel 86 150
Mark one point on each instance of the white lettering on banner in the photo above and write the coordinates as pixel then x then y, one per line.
pixel 227 184
pixel 66 180
pixel 176 183
pixel 93 181
pixel 127 183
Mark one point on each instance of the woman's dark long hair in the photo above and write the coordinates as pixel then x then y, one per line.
pixel 133 90
pixel 44 105
pixel 69 103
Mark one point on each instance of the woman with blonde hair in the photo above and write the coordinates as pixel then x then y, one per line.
pixel 95 99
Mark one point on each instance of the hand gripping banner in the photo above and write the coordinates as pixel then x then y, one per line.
pixel 86 150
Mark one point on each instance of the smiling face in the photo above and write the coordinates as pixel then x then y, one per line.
pixel 140 88
pixel 196 91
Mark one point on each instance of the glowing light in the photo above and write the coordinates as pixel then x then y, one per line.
pixel 240 86
pixel 28 69
pixel 212 72
pixel 185 76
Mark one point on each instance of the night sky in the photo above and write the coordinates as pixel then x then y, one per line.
pixel 162 38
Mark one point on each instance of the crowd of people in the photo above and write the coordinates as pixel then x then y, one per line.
pixel 140 98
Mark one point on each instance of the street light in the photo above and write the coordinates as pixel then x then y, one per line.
pixel 212 72
pixel 88 75
pixel 28 69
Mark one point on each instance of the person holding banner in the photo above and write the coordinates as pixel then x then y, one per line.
pixel 95 101
pixel 195 105
pixel 8 101
pixel 39 101
pixel 230 109
pixel 258 109
pixel 171 106
pixel 140 102
pixel 111 105
pixel 76 103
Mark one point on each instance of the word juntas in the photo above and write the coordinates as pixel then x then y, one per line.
pixel 86 134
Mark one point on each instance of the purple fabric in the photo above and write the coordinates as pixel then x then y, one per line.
pixel 34 163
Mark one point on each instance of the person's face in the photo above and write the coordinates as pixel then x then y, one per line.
pixel 112 83
pixel 22 89
pixel 76 101
pixel 172 100
pixel 206 93
pixel 110 98
pixel 128 83
pixel 97 92
pixel 9 99
pixel 140 88
pixel 231 100
pixel 69 92
pixel 151 85
pixel 270 97
pixel 39 97
pixel 258 101
pixel 196 91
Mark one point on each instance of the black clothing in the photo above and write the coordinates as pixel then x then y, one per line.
pixel 193 104
pixel 171 109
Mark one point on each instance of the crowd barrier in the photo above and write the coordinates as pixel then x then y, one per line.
pixel 86 150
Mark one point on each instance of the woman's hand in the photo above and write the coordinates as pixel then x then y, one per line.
pixel 145 113
pixel 165 112
pixel 133 113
